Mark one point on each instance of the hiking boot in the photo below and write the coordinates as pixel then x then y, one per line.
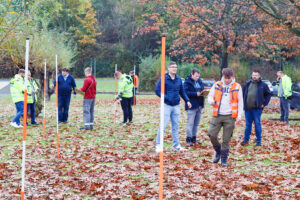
pixel 218 154
pixel 224 156
pixel 189 141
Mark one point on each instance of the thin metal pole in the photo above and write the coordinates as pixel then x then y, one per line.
pixel 25 120
pixel 57 134
pixel 115 117
pixel 45 79
pixel 162 98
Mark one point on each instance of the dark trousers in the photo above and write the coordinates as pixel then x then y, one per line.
pixel 253 115
pixel 284 109
pixel 126 107
pixel 31 107
pixel 63 107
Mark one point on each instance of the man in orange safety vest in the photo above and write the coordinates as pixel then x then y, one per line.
pixel 226 97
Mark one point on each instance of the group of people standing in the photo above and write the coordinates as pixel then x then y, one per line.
pixel 127 87
pixel 17 89
pixel 227 97
pixel 229 101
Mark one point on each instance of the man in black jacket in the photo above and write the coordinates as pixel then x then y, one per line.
pixel 193 87
pixel 257 95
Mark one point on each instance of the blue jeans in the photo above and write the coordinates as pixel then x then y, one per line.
pixel 193 121
pixel 284 109
pixel 63 107
pixel 253 115
pixel 20 111
pixel 31 107
pixel 172 112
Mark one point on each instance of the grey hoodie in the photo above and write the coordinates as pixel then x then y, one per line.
pixel 225 106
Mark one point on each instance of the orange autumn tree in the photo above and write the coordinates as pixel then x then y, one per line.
pixel 212 30
pixel 282 30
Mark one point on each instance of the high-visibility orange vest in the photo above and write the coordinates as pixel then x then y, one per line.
pixel 136 81
pixel 234 91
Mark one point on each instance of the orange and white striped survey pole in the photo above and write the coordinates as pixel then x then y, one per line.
pixel 162 110
pixel 134 93
pixel 44 117
pixel 56 90
pixel 25 119
pixel 115 116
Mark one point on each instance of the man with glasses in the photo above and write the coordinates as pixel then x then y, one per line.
pixel 173 91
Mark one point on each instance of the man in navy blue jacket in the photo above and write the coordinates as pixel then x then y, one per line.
pixel 66 83
pixel 257 95
pixel 173 91
pixel 193 86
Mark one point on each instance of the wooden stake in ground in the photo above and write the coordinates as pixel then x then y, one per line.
pixel 115 117
pixel 44 117
pixel 25 120
pixel 57 134
pixel 162 110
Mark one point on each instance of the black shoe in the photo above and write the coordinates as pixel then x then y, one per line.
pixel 218 154
pixel 194 140
pixel 34 123
pixel 85 128
pixel 130 122
pixel 224 156
pixel 189 141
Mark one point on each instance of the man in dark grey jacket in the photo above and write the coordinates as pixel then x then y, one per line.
pixel 257 95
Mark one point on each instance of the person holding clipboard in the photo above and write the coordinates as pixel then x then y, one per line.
pixel 89 91
pixel 194 88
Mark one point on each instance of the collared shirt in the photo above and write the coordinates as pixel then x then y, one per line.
pixel 65 77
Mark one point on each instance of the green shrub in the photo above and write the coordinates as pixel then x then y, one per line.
pixel 292 71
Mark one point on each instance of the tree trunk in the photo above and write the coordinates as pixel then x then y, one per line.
pixel 224 61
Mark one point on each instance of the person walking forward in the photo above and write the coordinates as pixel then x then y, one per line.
pixel 193 86
pixel 89 89
pixel 173 88
pixel 257 95
pixel 226 97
